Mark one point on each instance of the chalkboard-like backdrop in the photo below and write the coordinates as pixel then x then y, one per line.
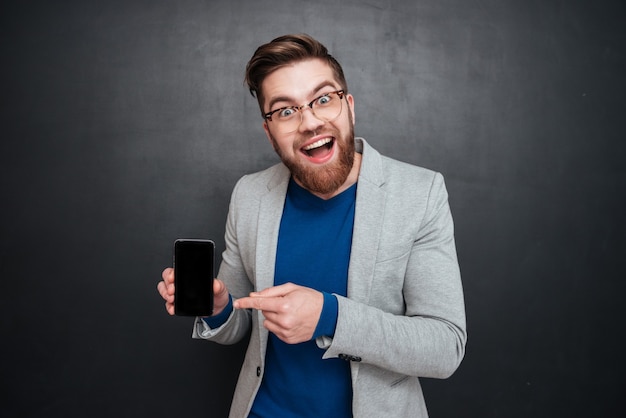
pixel 125 125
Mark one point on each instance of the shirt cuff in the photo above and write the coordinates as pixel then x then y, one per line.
pixel 328 318
pixel 221 318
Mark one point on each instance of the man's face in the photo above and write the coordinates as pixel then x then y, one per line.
pixel 319 154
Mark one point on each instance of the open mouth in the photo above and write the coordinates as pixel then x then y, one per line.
pixel 319 150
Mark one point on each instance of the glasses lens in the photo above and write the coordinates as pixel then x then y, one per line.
pixel 328 107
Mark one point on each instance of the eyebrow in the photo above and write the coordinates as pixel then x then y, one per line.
pixel 290 100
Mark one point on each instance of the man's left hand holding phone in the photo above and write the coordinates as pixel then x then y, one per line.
pixel 189 289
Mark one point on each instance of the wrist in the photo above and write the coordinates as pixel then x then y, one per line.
pixel 328 317
pixel 220 316
pixel 217 310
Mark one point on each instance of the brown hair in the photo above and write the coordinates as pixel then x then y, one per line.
pixel 286 50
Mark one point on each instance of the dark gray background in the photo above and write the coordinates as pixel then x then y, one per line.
pixel 125 125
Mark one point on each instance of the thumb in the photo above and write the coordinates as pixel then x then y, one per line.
pixel 219 287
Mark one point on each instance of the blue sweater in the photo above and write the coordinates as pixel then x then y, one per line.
pixel 314 251
pixel 314 246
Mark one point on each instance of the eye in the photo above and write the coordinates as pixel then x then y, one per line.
pixel 324 100
pixel 286 113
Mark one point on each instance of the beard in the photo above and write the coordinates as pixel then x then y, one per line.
pixel 327 178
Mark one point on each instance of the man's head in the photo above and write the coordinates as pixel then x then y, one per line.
pixel 286 50
pixel 308 114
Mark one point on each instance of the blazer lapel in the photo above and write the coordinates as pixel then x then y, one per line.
pixel 370 205
pixel 270 213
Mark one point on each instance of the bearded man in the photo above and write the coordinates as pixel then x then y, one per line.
pixel 340 261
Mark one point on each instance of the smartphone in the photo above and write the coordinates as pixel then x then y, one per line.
pixel 193 277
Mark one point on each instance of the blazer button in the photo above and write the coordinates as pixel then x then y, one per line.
pixel 258 371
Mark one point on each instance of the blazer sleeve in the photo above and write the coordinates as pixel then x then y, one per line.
pixel 427 337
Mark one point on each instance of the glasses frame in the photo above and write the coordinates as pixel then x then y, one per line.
pixel 298 109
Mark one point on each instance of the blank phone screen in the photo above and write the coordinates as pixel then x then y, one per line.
pixel 193 277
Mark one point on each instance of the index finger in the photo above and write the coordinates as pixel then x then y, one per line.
pixel 258 303
pixel 275 291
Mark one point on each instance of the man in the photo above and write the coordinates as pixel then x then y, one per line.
pixel 342 262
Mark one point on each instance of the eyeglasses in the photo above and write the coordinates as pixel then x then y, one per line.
pixel 326 107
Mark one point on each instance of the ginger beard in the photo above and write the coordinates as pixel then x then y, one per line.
pixel 327 178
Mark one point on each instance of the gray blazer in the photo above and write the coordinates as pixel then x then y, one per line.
pixel 404 316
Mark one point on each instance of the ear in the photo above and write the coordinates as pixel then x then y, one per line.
pixel 267 132
pixel 266 129
pixel 350 100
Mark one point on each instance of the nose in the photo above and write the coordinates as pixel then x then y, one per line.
pixel 308 121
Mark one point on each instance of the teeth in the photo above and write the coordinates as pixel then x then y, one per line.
pixel 317 144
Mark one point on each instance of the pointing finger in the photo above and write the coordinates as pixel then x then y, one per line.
pixel 248 303
pixel 258 303
pixel 275 291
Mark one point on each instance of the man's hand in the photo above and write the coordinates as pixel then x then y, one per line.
pixel 166 290
pixel 291 312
